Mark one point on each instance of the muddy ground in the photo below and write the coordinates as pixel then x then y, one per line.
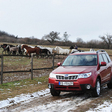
pixel 66 102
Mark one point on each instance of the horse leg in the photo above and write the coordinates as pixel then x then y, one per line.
pixel 4 50
pixel 11 52
pixel 47 54
pixel 29 55
pixel 17 52
pixel 38 53
pixel 14 52
pixel 8 52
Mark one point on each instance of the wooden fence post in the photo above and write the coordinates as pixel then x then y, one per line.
pixel 31 66
pixel 53 62
pixel 2 68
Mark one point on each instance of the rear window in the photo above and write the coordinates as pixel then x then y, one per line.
pixel 80 60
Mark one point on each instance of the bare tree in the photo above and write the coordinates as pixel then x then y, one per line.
pixel 66 36
pixel 79 40
pixel 107 39
pixel 52 37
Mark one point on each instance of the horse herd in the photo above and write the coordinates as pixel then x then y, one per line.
pixel 22 49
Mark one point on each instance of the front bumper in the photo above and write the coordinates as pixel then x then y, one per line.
pixel 82 87
pixel 79 85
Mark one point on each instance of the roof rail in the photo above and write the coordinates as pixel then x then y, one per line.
pixel 76 51
pixel 101 50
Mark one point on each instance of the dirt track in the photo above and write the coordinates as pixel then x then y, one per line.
pixel 66 102
pixel 62 103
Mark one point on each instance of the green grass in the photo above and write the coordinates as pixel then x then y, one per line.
pixel 11 89
pixel 43 79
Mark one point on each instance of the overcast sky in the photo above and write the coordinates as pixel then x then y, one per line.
pixel 86 19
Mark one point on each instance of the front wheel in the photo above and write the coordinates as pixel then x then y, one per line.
pixel 54 92
pixel 97 90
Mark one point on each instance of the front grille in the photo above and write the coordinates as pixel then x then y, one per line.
pixel 67 78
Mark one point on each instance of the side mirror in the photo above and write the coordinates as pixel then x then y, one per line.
pixel 59 64
pixel 103 63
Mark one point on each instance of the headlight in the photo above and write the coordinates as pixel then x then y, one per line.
pixel 84 75
pixel 52 75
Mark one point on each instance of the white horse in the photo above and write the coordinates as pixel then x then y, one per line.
pixel 74 50
pixel 60 50
pixel 92 49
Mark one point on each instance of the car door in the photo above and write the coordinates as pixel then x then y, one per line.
pixel 102 69
pixel 108 68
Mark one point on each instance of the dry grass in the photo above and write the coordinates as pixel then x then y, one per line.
pixel 11 89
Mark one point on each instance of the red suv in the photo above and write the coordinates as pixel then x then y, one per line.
pixel 82 71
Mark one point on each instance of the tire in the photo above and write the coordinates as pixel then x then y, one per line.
pixel 97 90
pixel 54 92
pixel 109 85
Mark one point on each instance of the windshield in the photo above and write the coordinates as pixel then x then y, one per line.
pixel 80 60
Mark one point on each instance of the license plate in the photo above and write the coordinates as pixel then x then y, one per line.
pixel 66 83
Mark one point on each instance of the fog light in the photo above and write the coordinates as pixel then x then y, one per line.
pixel 88 86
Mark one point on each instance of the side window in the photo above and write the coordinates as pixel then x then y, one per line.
pixel 100 59
pixel 108 57
pixel 105 58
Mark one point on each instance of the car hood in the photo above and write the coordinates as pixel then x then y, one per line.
pixel 73 69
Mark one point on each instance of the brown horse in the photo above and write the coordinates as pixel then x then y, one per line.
pixel 30 50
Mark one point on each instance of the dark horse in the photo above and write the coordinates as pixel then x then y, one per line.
pixel 30 50
pixel 44 51
pixel 6 48
pixel 71 47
